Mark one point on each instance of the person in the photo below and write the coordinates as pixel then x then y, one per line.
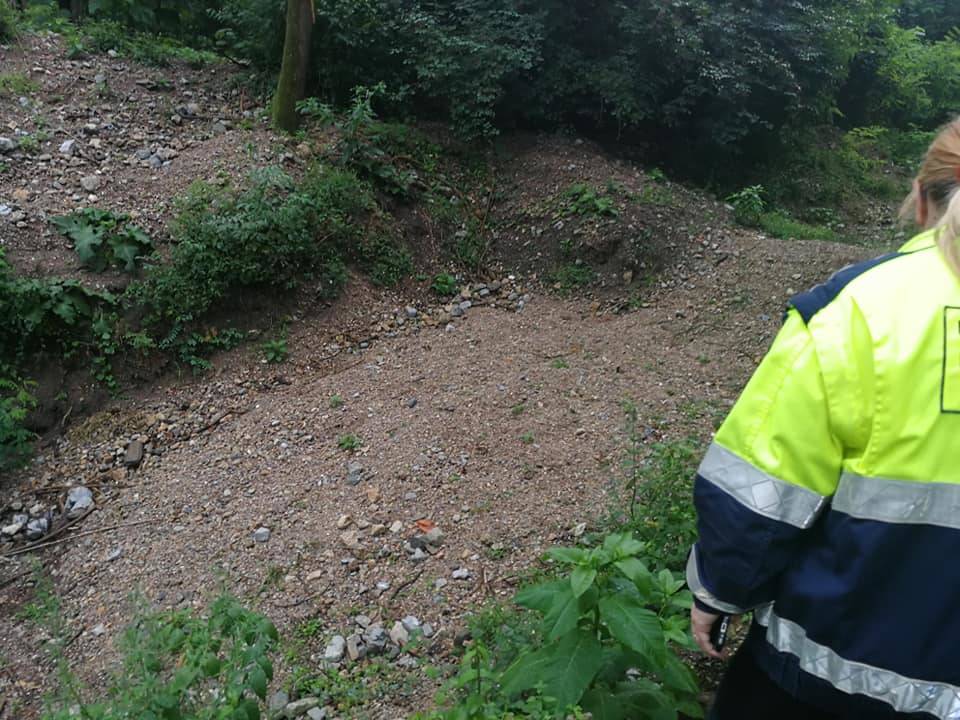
pixel 829 502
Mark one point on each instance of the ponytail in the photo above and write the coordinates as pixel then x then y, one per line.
pixel 948 232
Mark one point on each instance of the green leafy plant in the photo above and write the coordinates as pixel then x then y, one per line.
pixel 570 277
pixel 445 285
pixel 16 402
pixel 349 442
pixel 336 402
pixel 102 239
pixel 9 23
pixel 748 205
pixel 15 84
pixel 275 351
pixel 605 643
pixel 581 199
pixel 179 665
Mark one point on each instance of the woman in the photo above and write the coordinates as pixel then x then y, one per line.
pixel 829 502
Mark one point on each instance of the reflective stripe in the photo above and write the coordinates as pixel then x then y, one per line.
pixel 703 595
pixel 759 491
pixel 898 501
pixel 901 693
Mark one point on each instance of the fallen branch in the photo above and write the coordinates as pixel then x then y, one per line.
pixel 405 584
pixel 41 544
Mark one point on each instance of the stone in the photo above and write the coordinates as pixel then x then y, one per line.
pixel 155 162
pixel 134 454
pixel 377 530
pixel 7 144
pixel 427 630
pixel 411 623
pixel 11 529
pixel 301 707
pixel 465 305
pixel 418 555
pixel 355 648
pixel 350 540
pixel 407 661
pixel 399 634
pixel 411 311
pixel 440 583
pixel 36 529
pixel 98 630
pixel 434 537
pixel 261 535
pixel 412 403
pixel 456 311
pixel 166 153
pixel 315 575
pixel 22 195
pixel 335 649
pixel 461 574
pixel 354 473
pixel 344 522
pixel 143 154
pixel 115 554
pixel 396 527
pixel 317 713
pixel 277 702
pixel 68 147
pixel 90 183
pixel 218 128
pixel 79 500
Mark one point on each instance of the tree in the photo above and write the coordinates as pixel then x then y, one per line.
pixel 296 61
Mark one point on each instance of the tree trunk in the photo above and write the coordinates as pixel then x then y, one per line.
pixel 78 10
pixel 296 61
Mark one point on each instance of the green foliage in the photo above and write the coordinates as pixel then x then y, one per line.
pixel 349 442
pixel 102 239
pixel 445 285
pixel 336 402
pixel 603 643
pixel 581 199
pixel 15 84
pixel 275 351
pixel 179 665
pixel 748 205
pixel 16 402
pixel 780 225
pixel 570 277
pixel 9 23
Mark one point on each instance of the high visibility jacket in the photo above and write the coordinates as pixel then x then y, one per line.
pixel 829 501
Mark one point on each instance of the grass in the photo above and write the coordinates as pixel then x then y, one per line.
pixel 16 84
pixel 336 402
pixel 349 442
pixel 527 438
pixel 570 277
pixel 780 225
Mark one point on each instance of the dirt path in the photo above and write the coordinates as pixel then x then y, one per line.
pixel 501 430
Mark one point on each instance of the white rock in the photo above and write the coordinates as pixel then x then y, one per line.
pixel 261 535
pixel 399 634
pixel 335 649
pixel 90 183
pixel 461 574
pixel 67 147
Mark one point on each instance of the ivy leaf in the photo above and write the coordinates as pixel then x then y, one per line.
pixel 633 625
pixel 581 579
pixel 564 669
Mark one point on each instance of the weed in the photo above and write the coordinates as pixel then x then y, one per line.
pixel 527 438
pixel 518 409
pixel 570 277
pixel 275 351
pixel 780 225
pixel 445 285
pixel 748 205
pixel 336 402
pixel 102 239
pixel 657 175
pixel 560 364
pixel 349 442
pixel 29 143
pixel 581 199
pixel 17 85
pixel 16 402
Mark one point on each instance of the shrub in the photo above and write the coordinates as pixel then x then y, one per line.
pixel 9 23
pixel 16 402
pixel 748 205
pixel 445 285
pixel 102 238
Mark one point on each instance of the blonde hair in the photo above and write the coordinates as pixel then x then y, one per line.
pixel 939 182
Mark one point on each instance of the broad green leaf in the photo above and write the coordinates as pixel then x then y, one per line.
pixel 264 662
pixel 645 699
pixel 563 614
pixel 88 245
pixel 539 597
pixel 581 579
pixel 125 253
pixel 257 680
pixel 638 573
pixel 633 625
pixel 564 668
pixel 623 544
pixel 676 675
pixel 570 556
pixel 616 661
pixel 604 704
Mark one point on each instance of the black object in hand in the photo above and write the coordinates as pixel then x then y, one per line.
pixel 718 633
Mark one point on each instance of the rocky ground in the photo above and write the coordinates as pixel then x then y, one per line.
pixel 413 457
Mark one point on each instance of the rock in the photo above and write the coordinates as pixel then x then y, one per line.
pixel 354 473
pixel 456 311
pixel 315 575
pixel 22 195
pixel 261 535
pixel 375 638
pixel 412 403
pixel 68 147
pixel 362 621
pixel 38 509
pixel 350 540
pixel 434 537
pixel 79 500
pixel 115 554
pixel 407 661
pixel 335 649
pixel 155 162
pixel 301 707
pixel 418 555
pixel 355 648
pixel 166 153
pixel 465 305
pixel 36 529
pixel 90 183
pixel 396 527
pixel 98 630
pixel 317 713
pixel 12 529
pixel 218 128
pixel 427 630
pixel 277 702
pixel 399 634
pixel 440 583
pixel 377 530
pixel 143 154
pixel 411 311
pixel 411 623
pixel 461 574
pixel 7 145
pixel 344 522
pixel 134 455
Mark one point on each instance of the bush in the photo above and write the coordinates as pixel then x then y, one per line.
pixel 9 22
pixel 16 402
pixel 605 637
pixel 748 205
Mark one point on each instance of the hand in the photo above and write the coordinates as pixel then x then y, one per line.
pixel 701 622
